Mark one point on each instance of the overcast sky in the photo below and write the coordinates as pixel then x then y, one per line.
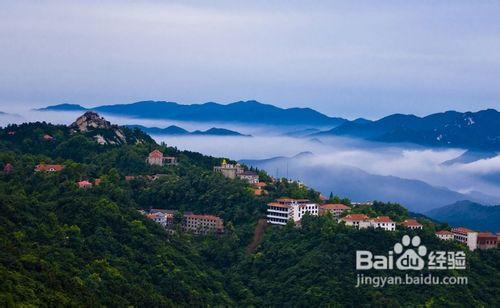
pixel 351 59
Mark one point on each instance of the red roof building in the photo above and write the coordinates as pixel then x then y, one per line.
pixel 47 137
pixel 465 236
pixel 49 168
pixel 84 184
pixel 335 209
pixel 412 224
pixel 486 240
pixel 444 235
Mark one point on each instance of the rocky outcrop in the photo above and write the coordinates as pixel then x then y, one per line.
pixel 95 126
pixel 89 121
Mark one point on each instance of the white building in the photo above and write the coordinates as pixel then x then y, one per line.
pixel 354 220
pixel 465 236
pixel 383 222
pixel 285 209
pixel 412 224
pixel 361 221
pixel 335 209
pixel 444 235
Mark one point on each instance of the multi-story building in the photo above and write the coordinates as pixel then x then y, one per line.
pixel 236 171
pixel 197 224
pixel 383 222
pixel 412 224
pixel 335 209
pixel 156 158
pixel 486 240
pixel 249 176
pixel 361 221
pixel 354 220
pixel 203 224
pixel 444 235
pixel 285 209
pixel 229 170
pixel 465 236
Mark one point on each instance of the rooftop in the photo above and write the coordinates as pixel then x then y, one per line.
pixel 336 206
pixel 355 217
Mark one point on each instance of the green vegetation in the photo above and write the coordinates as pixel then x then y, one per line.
pixel 60 245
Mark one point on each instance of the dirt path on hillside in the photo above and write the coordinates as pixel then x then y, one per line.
pixel 257 235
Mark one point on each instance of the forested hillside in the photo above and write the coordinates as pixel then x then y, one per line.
pixel 63 245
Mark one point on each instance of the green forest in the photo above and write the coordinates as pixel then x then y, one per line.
pixel 65 246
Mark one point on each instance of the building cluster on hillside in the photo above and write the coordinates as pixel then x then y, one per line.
pixel 193 223
pixel 473 239
pixel 283 210
pixel 236 171
pixel 156 158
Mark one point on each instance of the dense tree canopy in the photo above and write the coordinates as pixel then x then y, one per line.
pixel 61 245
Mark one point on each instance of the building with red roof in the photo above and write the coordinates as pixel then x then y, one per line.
pixel 84 184
pixel 444 235
pixel 336 209
pixel 48 137
pixel 285 209
pixel 49 168
pixel 412 224
pixel 383 222
pixel 156 158
pixel 362 221
pixel 486 240
pixel 465 236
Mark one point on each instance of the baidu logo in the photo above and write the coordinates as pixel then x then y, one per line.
pixel 409 254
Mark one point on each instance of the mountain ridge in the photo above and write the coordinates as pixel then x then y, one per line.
pixel 471 130
pixel 239 112
pixel 469 214
pixel 174 130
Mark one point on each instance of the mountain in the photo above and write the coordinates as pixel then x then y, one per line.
pixel 174 130
pixel 357 184
pixel 248 112
pixel 469 214
pixel 301 132
pixel 63 107
pixel 471 130
pixel 61 245
pixel 470 156
pixel 95 126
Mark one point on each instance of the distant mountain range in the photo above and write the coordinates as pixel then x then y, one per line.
pixel 469 157
pixel 248 112
pixel 472 130
pixel 360 185
pixel 174 130
pixel 469 214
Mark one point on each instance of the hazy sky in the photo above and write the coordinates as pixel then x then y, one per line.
pixel 351 58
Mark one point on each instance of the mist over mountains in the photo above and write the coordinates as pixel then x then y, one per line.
pixel 479 131
pixel 359 185
pixel 240 112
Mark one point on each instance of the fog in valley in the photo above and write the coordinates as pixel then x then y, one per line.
pixel 348 167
